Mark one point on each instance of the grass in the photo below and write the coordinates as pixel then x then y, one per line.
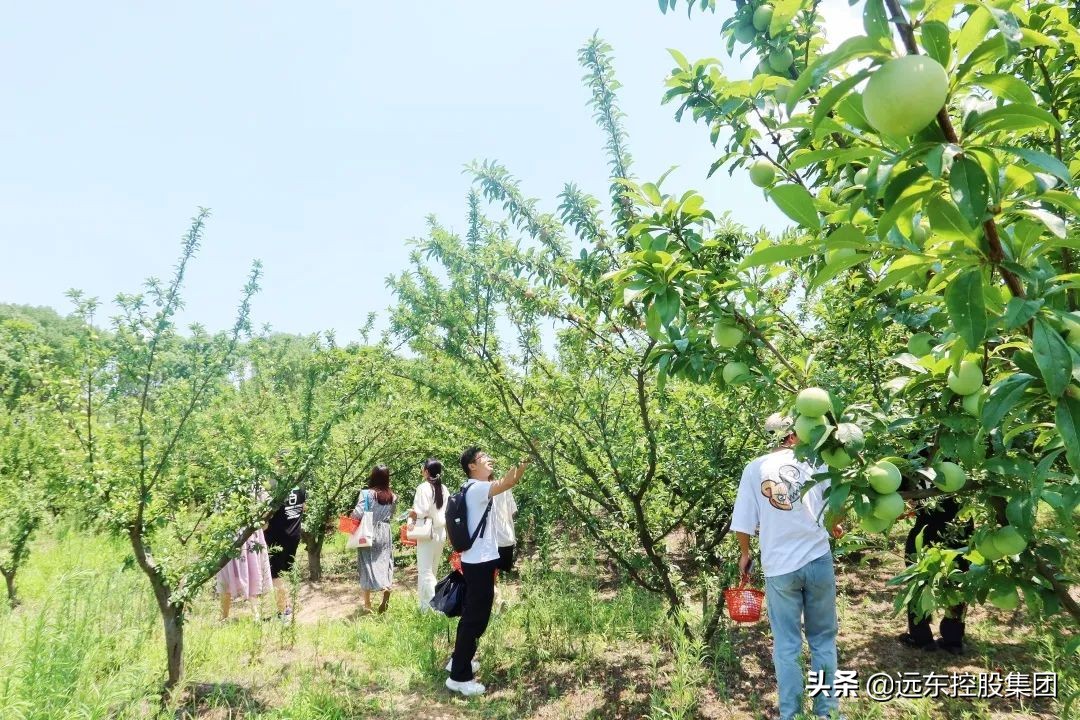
pixel 87 643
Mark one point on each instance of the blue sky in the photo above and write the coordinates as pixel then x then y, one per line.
pixel 320 134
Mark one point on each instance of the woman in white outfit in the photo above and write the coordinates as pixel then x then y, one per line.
pixel 429 506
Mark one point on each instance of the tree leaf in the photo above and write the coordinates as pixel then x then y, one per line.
pixel 1052 356
pixel 797 203
pixel 935 38
pixel 783 13
pixel 1003 397
pixel 967 307
pixel 1068 425
pixel 834 268
pixel 774 254
pixel 1019 311
pixel 946 220
pixel 970 190
pixel 875 22
pixel 974 31
pixel 835 94
pixel 859 46
pixel 1041 160
pixel 1007 87
pixel 1013 117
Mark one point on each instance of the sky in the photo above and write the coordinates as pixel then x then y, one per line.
pixel 321 135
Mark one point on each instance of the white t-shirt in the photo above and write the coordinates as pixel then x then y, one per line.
pixel 791 519
pixel 424 505
pixel 476 500
pixel 503 510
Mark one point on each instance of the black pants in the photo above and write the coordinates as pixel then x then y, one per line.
pixel 479 597
pixel 934 524
pixel 506 557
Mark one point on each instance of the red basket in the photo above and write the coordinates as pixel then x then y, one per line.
pixel 405 537
pixel 743 603
pixel 347 525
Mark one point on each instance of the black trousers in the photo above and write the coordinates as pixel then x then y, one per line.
pixel 934 525
pixel 506 557
pixel 479 597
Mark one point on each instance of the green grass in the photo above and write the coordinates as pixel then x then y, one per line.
pixel 87 643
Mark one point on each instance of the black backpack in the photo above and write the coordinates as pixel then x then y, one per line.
pixel 457 520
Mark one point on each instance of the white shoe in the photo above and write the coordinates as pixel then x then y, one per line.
pixel 475 665
pixel 467 688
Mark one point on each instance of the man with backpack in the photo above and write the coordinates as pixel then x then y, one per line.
pixel 472 532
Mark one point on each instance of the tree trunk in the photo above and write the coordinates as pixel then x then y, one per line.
pixel 173 618
pixel 314 559
pixel 9 578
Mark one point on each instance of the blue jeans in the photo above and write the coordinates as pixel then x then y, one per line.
pixel 809 591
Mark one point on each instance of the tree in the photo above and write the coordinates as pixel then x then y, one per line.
pixel 30 450
pixel 182 474
pixel 620 458
pixel 952 214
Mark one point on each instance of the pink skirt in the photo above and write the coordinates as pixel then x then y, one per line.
pixel 248 574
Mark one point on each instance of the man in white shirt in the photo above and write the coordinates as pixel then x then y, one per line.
pixel 780 500
pixel 478 564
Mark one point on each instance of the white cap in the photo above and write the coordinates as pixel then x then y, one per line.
pixel 778 424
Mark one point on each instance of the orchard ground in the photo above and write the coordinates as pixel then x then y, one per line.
pixel 569 643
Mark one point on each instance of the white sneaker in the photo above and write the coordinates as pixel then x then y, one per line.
pixel 475 665
pixel 467 688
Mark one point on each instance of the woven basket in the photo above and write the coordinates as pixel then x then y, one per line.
pixel 743 603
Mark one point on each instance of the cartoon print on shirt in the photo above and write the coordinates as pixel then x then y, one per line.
pixel 785 492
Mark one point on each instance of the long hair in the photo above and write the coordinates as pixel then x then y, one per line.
pixel 379 481
pixel 434 470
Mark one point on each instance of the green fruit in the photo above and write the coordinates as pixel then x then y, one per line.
pixel 762 173
pixel 973 403
pixel 988 549
pixel 1009 541
pixel 781 59
pixel 726 336
pixel 874 524
pixel 861 176
pixel 736 372
pixel 837 254
pixel 1004 599
pixel 889 507
pixel 813 401
pixel 851 435
pixel 1073 338
pixel 920 344
pixel 1070 324
pixel 884 477
pixel 745 32
pixel 950 477
pixel 968 380
pixel 920 232
pixel 837 458
pixel 763 68
pixel 904 95
pixel 762 17
pixel 781 93
pixel 805 425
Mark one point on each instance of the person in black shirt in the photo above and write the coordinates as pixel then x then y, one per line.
pixel 283 538
pixel 939 524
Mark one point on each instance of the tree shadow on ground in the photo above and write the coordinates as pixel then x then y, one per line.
pixel 209 700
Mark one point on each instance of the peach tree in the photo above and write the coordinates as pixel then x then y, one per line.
pixel 928 164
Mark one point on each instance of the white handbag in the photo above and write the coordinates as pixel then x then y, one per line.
pixel 365 533
pixel 421 531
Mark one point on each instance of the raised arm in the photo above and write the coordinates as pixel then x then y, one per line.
pixel 509 480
